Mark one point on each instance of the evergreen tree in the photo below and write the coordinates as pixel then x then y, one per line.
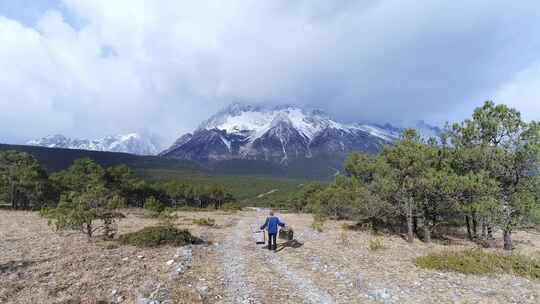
pixel 508 148
pixel 408 163
pixel 23 182
pixel 87 204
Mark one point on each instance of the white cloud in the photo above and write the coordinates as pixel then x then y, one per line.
pixel 163 66
pixel 523 92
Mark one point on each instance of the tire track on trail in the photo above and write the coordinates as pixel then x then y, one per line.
pixel 248 279
pixel 239 288
pixel 302 285
pixel 307 288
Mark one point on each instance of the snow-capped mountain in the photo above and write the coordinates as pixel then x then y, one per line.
pixel 132 143
pixel 279 134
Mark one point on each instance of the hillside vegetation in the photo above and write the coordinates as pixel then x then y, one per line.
pixel 245 187
pixel 480 174
pixel 250 190
pixel 57 159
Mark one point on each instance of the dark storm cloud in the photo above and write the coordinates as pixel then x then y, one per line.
pixel 163 66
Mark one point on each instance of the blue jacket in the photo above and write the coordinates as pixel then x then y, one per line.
pixel 272 223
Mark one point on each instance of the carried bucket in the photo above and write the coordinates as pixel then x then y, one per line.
pixel 258 235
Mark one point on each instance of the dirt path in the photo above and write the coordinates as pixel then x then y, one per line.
pixel 256 275
pixel 240 289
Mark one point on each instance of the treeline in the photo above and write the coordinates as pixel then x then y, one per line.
pixel 24 184
pixel 481 174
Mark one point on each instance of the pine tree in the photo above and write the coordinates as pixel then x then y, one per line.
pixel 508 149
pixel 23 182
pixel 87 204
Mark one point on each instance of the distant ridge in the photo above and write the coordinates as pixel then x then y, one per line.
pixel 281 134
pixel 56 159
pixel 133 143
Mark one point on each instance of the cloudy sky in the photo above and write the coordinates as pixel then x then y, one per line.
pixel 89 68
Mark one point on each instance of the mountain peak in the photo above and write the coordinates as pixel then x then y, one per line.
pixel 255 120
pixel 238 107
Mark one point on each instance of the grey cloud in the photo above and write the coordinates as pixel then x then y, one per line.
pixel 162 67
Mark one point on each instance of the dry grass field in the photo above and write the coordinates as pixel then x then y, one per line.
pixel 336 265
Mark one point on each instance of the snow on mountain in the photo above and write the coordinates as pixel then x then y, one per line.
pixel 257 120
pixel 280 134
pixel 132 143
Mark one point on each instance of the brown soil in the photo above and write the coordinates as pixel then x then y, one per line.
pixel 38 265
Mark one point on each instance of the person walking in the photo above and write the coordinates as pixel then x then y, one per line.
pixel 271 224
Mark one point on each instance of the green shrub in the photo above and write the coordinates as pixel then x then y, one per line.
pixel 376 244
pixel 158 236
pixel 476 261
pixel 205 222
pixel 318 223
pixel 358 227
pixel 234 206
pixel 168 217
pixel 343 239
pixel 154 205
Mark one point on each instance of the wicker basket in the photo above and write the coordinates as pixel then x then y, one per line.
pixel 286 233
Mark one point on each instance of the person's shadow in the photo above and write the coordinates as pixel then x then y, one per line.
pixel 289 244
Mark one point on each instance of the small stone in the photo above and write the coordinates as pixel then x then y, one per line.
pixel 170 262
pixel 147 301
pixel 382 295
pixel 125 259
pixel 114 292
pixel 140 256
pixel 202 289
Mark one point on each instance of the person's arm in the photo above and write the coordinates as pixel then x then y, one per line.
pixel 265 224
pixel 280 223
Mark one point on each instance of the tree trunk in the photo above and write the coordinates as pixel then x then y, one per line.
pixel 426 225
pixel 12 196
pixel 474 226
pixel 427 233
pixel 415 225
pixel 89 231
pixel 489 231
pixel 410 231
pixel 108 228
pixel 468 221
pixel 484 229
pixel 507 235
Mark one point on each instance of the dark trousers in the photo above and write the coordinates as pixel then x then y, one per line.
pixel 272 244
